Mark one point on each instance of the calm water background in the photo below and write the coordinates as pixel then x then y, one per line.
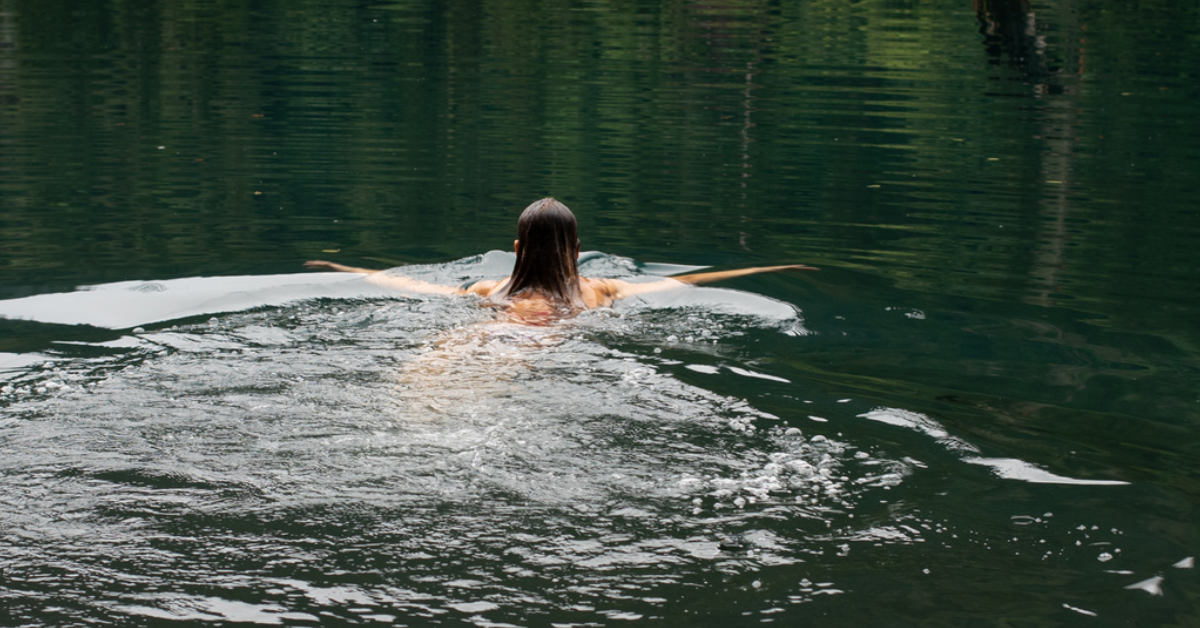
pixel 1000 197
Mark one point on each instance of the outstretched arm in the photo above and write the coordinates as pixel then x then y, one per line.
pixel 398 282
pixel 702 278
pixel 320 264
pixel 621 289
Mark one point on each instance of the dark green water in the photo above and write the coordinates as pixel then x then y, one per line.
pixel 981 411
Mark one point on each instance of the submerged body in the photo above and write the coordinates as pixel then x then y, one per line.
pixel 545 284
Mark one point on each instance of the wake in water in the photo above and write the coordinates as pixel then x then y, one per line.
pixel 380 458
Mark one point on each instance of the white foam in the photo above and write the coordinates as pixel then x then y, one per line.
pixel 473 607
pixel 703 368
pixel 921 423
pixel 1013 469
pixel 127 304
pixel 1152 585
pixel 749 373
pixel 1081 611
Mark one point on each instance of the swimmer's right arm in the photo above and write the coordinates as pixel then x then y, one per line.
pixel 620 289
pixel 398 282
pixel 702 278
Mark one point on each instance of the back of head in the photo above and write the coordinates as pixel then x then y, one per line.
pixel 547 251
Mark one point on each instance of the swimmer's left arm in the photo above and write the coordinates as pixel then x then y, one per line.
pixel 398 282
pixel 408 284
pixel 483 288
pixel 320 264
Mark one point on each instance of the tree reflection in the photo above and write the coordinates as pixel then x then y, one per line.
pixel 1010 30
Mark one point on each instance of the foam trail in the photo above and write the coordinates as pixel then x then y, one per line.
pixel 1013 469
pixel 1006 468
pixel 920 423
pixel 127 304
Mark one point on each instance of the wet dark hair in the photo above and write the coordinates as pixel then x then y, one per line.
pixel 547 251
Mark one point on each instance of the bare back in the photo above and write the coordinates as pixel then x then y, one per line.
pixel 536 309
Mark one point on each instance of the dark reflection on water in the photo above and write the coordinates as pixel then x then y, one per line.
pixel 998 194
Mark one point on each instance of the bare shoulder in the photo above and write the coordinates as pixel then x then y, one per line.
pixel 483 288
pixel 606 287
pixel 599 292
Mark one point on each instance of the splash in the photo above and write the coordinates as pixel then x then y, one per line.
pixel 250 454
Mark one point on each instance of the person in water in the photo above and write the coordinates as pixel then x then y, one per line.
pixel 545 282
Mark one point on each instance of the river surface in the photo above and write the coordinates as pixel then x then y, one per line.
pixel 982 410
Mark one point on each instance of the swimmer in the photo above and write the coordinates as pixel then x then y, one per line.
pixel 545 284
